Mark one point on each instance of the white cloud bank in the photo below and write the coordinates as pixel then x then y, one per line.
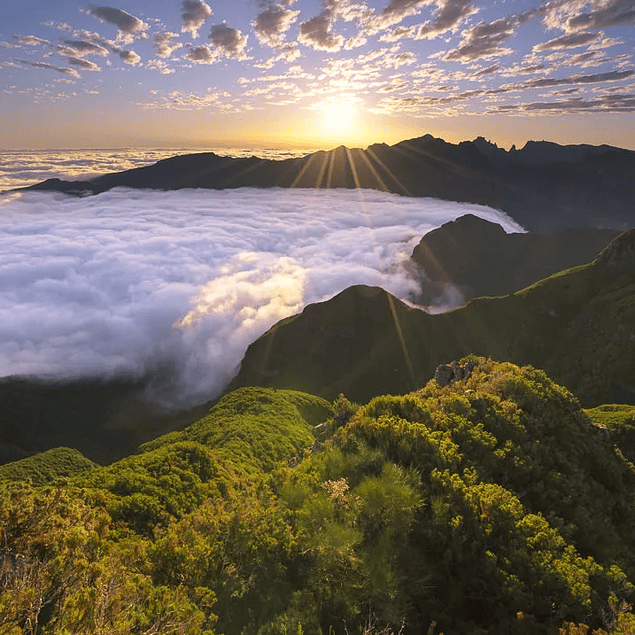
pixel 129 281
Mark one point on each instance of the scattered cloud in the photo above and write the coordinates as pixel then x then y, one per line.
pixel 82 47
pixel 393 13
pixel 128 25
pixel 31 40
pixel 572 40
pixel 194 13
pixel 316 33
pixel 611 76
pixel 489 70
pixel 228 41
pixel 576 15
pixel 271 24
pixel 179 100
pixel 129 57
pixel 202 54
pixel 44 66
pixel 448 17
pixel 164 45
pixel 159 65
pixel 602 104
pixel 85 65
pixel 484 40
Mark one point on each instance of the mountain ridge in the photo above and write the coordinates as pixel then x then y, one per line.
pixel 543 186
pixel 576 325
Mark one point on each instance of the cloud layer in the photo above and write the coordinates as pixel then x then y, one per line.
pixel 134 282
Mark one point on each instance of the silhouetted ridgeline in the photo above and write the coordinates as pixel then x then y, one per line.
pixel 543 186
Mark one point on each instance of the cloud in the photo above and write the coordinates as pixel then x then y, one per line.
pixel 85 65
pixel 393 13
pixel 271 24
pixel 484 40
pixel 448 16
pixel 202 54
pixel 27 168
pixel 572 40
pixel 44 66
pixel 129 57
pixel 163 44
pixel 159 65
pixel 573 15
pixel 316 32
pixel 31 40
pixel 611 76
pixel 618 103
pixel 194 13
pixel 128 24
pixel 178 100
pixel 125 283
pixel 229 41
pixel 82 47
pixel 490 70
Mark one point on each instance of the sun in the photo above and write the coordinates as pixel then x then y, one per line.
pixel 338 115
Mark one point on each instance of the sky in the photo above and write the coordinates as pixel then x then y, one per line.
pixel 131 282
pixel 314 73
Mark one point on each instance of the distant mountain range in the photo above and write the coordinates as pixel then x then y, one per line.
pixel 577 325
pixel 543 186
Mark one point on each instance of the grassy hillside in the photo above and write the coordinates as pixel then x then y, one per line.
pixel 491 504
pixel 576 324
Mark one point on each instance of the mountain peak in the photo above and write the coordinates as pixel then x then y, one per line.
pixel 619 254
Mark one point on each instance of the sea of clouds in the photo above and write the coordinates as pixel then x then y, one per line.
pixel 133 282
pixel 21 168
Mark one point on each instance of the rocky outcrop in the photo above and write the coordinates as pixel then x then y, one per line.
pixel 446 374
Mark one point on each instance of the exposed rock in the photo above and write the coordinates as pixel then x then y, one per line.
pixel 445 374
pixel 601 430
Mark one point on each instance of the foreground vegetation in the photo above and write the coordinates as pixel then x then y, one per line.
pixel 493 504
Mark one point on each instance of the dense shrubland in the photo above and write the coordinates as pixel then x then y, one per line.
pixel 489 505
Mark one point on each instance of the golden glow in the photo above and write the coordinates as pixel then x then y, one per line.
pixel 339 115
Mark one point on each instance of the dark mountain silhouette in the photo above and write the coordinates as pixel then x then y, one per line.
pixel 479 258
pixel 577 325
pixel 105 420
pixel 543 186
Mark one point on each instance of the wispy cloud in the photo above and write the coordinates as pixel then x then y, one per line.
pixel 45 66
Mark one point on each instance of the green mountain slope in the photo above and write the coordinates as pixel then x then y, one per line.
pixel 104 420
pixel 576 324
pixel 479 258
pixel 486 504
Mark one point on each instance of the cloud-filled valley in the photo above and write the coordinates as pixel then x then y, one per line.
pixel 179 283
